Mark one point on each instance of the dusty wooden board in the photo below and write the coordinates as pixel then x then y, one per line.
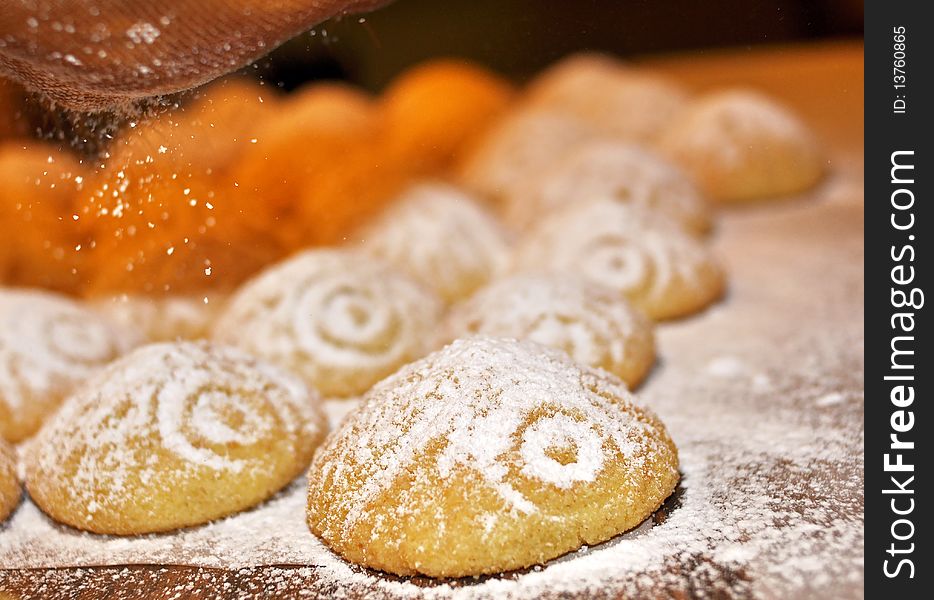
pixel 793 316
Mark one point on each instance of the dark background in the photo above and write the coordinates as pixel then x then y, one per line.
pixel 518 37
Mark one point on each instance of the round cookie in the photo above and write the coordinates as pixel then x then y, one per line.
pixel 440 236
pixel 593 324
pixel 486 456
pixel 661 269
pixel 521 145
pixel 163 318
pixel 740 145
pixel 619 101
pixel 341 320
pixel 10 491
pixel 609 169
pixel 173 435
pixel 48 345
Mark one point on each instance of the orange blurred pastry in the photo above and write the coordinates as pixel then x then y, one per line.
pixel 38 183
pixel 617 100
pixel 435 110
pixel 318 168
pixel 206 133
pixel 741 145
pixel 159 225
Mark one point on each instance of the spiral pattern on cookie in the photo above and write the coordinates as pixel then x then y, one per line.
pixel 341 320
pixel 440 236
pixel 165 419
pixel 654 263
pixel 520 435
pixel 48 344
pixel 609 170
pixel 592 323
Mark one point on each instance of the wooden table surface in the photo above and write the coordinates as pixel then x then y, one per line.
pixel 823 82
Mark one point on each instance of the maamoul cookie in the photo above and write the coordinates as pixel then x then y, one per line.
pixel 486 456
pixel 340 319
pixel 440 236
pixel 593 324
pixel 163 318
pixel 435 110
pixel 521 145
pixel 619 101
pixel 10 491
pixel 48 344
pixel 609 169
pixel 661 269
pixel 173 435
pixel 741 145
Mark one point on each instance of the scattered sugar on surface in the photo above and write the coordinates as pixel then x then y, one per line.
pixel 772 485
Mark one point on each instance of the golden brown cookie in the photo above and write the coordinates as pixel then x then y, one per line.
pixel 440 236
pixel 341 320
pixel 163 318
pixel 741 145
pixel 593 324
pixel 617 100
pixel 486 456
pixel 661 269
pixel 615 170
pixel 521 145
pixel 10 490
pixel 173 435
pixel 48 345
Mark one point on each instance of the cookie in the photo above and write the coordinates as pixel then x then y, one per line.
pixel 619 101
pixel 440 236
pixel 613 170
pixel 341 320
pixel 662 270
pixel 163 318
pixel 173 435
pixel 486 456
pixel 740 145
pixel 521 145
pixel 48 345
pixel 593 324
pixel 437 109
pixel 10 491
